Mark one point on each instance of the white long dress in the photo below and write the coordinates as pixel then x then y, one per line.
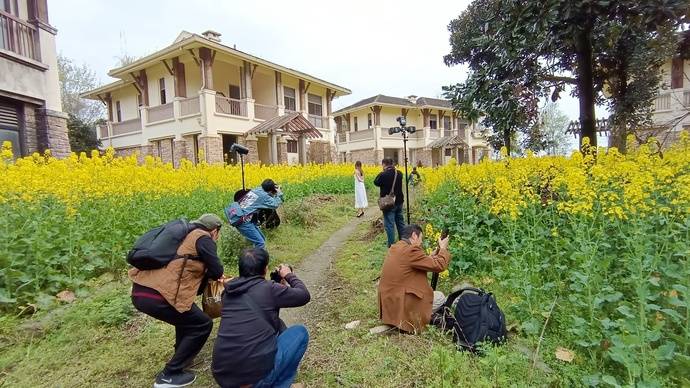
pixel 360 194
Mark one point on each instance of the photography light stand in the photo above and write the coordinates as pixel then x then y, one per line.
pixel 241 151
pixel 405 130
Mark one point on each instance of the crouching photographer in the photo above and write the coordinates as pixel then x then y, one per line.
pixel 253 347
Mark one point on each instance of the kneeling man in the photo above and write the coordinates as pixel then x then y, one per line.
pixel 253 347
pixel 405 297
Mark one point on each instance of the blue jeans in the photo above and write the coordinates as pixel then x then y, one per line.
pixel 292 343
pixel 252 233
pixel 391 219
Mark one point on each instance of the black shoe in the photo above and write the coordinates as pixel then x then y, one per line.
pixel 169 380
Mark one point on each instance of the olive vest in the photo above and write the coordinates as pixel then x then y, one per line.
pixel 179 281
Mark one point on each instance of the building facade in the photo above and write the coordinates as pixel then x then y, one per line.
pixel 197 97
pixel 31 116
pixel 362 132
pixel 672 106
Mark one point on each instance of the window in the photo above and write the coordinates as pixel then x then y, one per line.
pixel 433 123
pixel 161 84
pixel 234 92
pixel 315 107
pixel 369 123
pixel 356 126
pixel 10 6
pixel 448 152
pixel 289 98
pixel 9 127
pixel 446 122
pixel 118 111
pixel 677 73
pixel 292 146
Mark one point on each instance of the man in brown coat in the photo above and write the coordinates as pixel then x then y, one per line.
pixel 405 297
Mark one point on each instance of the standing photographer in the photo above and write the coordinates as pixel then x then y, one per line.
pixel 392 218
pixel 253 346
pixel 239 213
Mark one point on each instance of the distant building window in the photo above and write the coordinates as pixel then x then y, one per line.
pixel 369 122
pixel 9 127
pixel 356 126
pixel 433 122
pixel 234 92
pixel 289 99
pixel 677 73
pixel 446 122
pixel 118 111
pixel 315 107
pixel 161 83
pixel 292 146
pixel 449 152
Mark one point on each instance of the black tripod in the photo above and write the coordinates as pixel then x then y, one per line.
pixel 405 130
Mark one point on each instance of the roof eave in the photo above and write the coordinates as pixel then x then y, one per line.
pixel 143 62
pixel 93 94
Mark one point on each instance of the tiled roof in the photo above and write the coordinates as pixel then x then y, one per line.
pixel 421 102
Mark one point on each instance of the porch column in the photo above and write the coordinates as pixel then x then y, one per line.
pixel 273 147
pixel 206 67
pixel 246 81
pixel 109 103
pixel 302 149
pixel 207 107
pixel 179 78
pixel 303 98
pixel 280 100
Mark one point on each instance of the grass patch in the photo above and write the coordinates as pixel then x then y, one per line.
pixel 100 340
pixel 340 357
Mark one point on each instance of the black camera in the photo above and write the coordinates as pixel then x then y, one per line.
pixel 275 275
pixel 240 149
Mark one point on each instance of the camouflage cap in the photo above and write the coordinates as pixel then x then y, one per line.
pixel 209 221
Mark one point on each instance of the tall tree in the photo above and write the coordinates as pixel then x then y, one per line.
pixel 82 136
pixel 74 80
pixel 540 46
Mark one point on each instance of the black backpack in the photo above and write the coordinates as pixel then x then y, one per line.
pixel 475 318
pixel 157 247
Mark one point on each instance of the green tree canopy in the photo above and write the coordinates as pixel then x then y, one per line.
pixel 520 51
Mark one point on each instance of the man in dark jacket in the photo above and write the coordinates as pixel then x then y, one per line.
pixel 253 346
pixel 394 217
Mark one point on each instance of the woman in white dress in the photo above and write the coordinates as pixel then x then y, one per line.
pixel 361 202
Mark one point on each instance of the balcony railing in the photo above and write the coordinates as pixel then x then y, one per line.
pixel 189 106
pixel 18 36
pixel 230 106
pixel 434 133
pixel 663 102
pixel 127 126
pixel 342 137
pixel 367 134
pixel 447 132
pixel 319 121
pixel 265 112
pixel 160 112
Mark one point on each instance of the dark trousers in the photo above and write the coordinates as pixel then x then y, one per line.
pixel 192 329
pixel 392 219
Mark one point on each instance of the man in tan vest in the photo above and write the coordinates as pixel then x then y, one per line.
pixel 168 294
pixel 405 297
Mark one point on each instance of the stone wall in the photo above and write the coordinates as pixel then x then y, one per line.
pixel 166 147
pixel 212 147
pixel 319 152
pixel 30 130
pixel 180 151
pixel 252 143
pixel 52 132
pixel 187 152
pixel 424 156
pixel 367 156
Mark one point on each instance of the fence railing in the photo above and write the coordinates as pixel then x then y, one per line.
pixel 189 106
pixel 434 133
pixel 342 137
pixel 663 102
pixel 366 134
pixel 265 112
pixel 319 121
pixel 18 36
pixel 126 126
pixel 231 106
pixel 160 112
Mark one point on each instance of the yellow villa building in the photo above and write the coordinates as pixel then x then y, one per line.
pixel 198 97
pixel 362 132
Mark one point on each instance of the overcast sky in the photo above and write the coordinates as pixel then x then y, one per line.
pixel 388 47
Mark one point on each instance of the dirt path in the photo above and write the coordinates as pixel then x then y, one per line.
pixel 314 269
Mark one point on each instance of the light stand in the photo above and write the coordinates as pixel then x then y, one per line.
pixel 241 151
pixel 404 130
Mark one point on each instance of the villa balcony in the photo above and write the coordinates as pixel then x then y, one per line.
pixel 265 112
pixel 19 37
pixel 231 106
